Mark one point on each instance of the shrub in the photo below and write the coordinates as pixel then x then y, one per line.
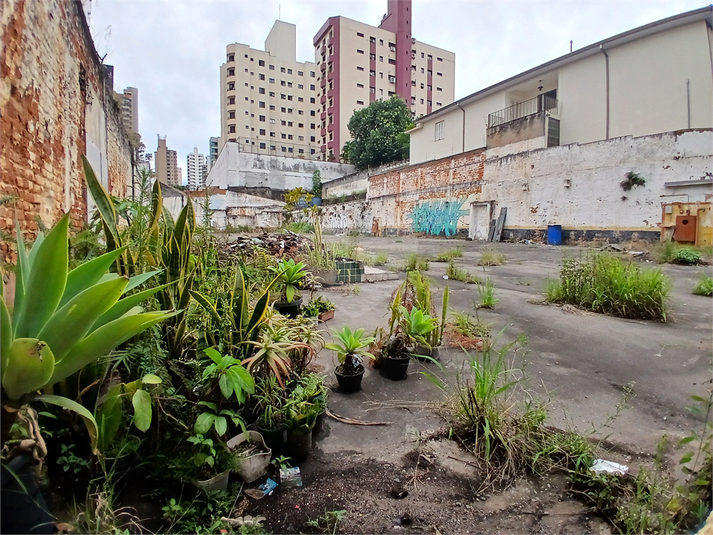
pixel 415 263
pixel 704 287
pixel 686 256
pixel 605 284
pixel 299 227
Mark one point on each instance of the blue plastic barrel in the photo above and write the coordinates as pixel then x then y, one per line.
pixel 554 235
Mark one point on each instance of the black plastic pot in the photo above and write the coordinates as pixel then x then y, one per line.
pixel 23 508
pixel 291 310
pixel 422 351
pixel 299 444
pixel 349 383
pixel 274 439
pixel 395 368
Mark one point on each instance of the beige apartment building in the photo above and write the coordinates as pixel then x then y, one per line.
pixel 268 99
pixel 166 161
pixel 358 64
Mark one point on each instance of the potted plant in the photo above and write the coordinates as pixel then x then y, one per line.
pixel 315 391
pixel 300 418
pixel 418 328
pixel 250 454
pixel 288 284
pixel 316 188
pixel 320 307
pixel 212 470
pixel 350 349
pixel 270 423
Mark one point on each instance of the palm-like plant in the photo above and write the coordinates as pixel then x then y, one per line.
pixel 290 277
pixel 417 325
pixel 351 346
pixel 271 356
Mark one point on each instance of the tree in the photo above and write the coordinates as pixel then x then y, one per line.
pixel 378 134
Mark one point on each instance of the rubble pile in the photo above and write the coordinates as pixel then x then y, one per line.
pixel 280 245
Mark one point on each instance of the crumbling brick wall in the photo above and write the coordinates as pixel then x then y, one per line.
pixel 51 80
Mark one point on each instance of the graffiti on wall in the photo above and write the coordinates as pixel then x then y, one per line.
pixel 437 216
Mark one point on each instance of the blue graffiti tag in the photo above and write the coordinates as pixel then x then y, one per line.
pixel 437 217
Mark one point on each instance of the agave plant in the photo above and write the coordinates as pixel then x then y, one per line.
pixel 417 325
pixel 351 346
pixel 64 320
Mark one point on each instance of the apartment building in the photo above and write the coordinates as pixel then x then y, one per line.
pixel 129 104
pixel 196 169
pixel 212 151
pixel 268 99
pixel 166 161
pixel 358 64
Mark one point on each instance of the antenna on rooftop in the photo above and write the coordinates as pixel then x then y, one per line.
pixel 570 45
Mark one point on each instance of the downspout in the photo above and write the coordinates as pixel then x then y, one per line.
pixel 606 56
pixel 463 135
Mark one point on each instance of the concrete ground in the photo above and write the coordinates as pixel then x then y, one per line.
pixel 578 361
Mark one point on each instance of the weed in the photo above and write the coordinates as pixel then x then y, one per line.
pixel 605 284
pixel 327 523
pixel 448 255
pixel 460 274
pixel 486 292
pixel 353 232
pixel 414 262
pixel 69 461
pixel 356 289
pixel 687 255
pixel 467 326
pixel 704 286
pixel 379 259
pixel 299 227
pixel 490 257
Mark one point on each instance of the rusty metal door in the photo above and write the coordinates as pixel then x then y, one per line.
pixel 685 231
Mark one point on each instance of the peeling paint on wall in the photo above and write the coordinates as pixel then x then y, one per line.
pixel 437 217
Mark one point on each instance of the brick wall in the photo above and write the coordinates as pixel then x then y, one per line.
pixel 55 100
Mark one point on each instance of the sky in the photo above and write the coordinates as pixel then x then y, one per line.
pixel 171 50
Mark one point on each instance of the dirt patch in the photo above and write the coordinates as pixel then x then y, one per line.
pixel 424 493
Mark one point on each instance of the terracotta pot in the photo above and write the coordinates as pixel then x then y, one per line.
pixel 328 315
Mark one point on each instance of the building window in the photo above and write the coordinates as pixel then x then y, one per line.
pixel 283 136
pixel 272 93
pixel 272 134
pixel 289 97
pixel 413 100
pixel 381 92
pixel 360 102
pixel 282 69
pixel 262 145
pixel 301 151
pixel 439 104
pixel 273 147
pixel 430 88
pixel 360 68
pixel 440 130
pixel 392 61
pixel 272 80
pixel 430 57
pixel 231 115
pixel 311 87
pixel 423 55
pixel 231 128
pixel 284 149
pixel 313 127
pixel 372 73
pixel 312 113
pixel 261 104
pixel 423 86
pixel 372 90
pixel 262 131
pixel 231 86
pixel 289 123
pixel 289 136
pixel 439 89
pixel 272 121
pixel 261 62
pixel 311 138
pixel 360 52
pixel 272 67
pixel 300 73
pixel 231 71
pixel 231 57
pixel 300 99
pixel 262 118
pixel 421 101
pixel 261 90
pixel 360 34
pixel 300 86
pixel 272 107
pixel 262 77
pixel 289 71
pixel 428 102
pixel 283 96
pixel 283 109
pixel 311 74
pixel 231 100
pixel 311 100
pixel 439 74
pixel 283 83
pixel 381 42
pixel 360 85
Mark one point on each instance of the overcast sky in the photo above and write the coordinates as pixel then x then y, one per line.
pixel 171 50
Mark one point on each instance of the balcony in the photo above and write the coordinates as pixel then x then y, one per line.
pixel 539 104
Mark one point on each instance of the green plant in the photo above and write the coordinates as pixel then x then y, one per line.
pixel 297 198
pixel 603 283
pixel 449 254
pixel 69 461
pixel 281 462
pixel 704 286
pixel 290 275
pixel 216 419
pixel 316 183
pixel 328 521
pixel 459 274
pixel 349 347
pixel 414 262
pixel 632 179
pixel 316 306
pixel 231 377
pixel 269 400
pixel 271 355
pixel 686 256
pixel 298 227
pixel 417 326
pixel 379 259
pixel 490 257
pixel 206 454
pixel 487 295
pixel 64 321
pixel 467 326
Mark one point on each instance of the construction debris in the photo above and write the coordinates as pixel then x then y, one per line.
pixel 280 245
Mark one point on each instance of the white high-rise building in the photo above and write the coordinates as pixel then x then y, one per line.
pixel 196 169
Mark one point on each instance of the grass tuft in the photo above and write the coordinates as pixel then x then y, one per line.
pixel 486 292
pixel 449 254
pixel 704 287
pixel 460 274
pixel 605 284
pixel 414 262
pixel 490 257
